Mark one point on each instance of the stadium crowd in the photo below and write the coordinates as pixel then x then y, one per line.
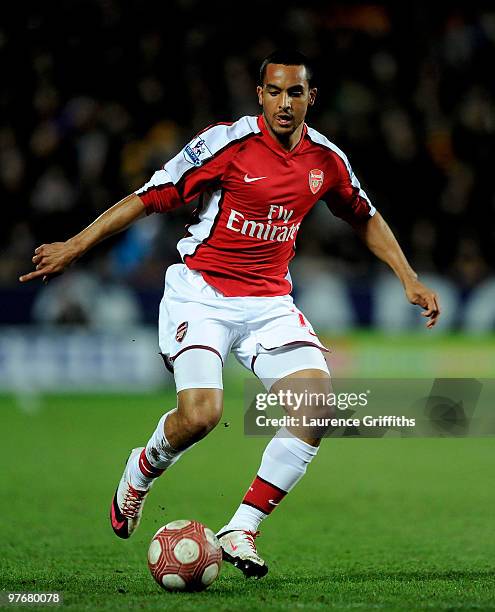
pixel 97 94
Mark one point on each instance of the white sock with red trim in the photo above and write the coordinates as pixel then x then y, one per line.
pixel 284 463
pixel 158 456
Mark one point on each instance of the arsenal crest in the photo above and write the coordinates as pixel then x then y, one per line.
pixel 181 331
pixel 315 180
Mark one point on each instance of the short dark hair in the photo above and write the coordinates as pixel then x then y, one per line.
pixel 286 57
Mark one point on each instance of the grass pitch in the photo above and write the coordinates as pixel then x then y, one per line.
pixel 398 524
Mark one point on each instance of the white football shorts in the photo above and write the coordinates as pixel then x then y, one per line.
pixel 199 326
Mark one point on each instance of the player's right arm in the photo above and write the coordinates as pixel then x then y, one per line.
pixel 193 170
pixel 52 259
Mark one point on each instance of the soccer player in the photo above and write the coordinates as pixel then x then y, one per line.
pixel 256 179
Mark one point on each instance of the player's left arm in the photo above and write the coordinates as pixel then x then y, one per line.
pixel 347 200
pixel 380 240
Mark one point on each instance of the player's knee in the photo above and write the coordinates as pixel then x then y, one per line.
pixel 323 406
pixel 316 395
pixel 201 419
pixel 200 410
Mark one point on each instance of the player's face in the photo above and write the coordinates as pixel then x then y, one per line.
pixel 285 97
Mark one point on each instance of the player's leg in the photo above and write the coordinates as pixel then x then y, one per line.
pixel 285 458
pixel 194 341
pixel 198 376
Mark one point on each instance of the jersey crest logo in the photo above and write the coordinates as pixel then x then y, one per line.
pixel 181 331
pixel 197 152
pixel 315 180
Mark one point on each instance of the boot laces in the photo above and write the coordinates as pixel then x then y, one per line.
pixel 132 502
pixel 250 537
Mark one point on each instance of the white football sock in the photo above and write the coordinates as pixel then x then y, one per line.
pixel 284 463
pixel 159 455
pixel 246 518
pixel 285 460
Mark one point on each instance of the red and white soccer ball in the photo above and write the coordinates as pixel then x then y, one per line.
pixel 184 556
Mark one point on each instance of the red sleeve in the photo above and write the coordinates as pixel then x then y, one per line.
pixel 160 194
pixel 345 198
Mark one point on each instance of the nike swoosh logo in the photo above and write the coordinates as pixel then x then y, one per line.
pixel 270 501
pixel 234 547
pixel 249 179
pixel 116 523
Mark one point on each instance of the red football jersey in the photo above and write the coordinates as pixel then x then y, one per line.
pixel 253 198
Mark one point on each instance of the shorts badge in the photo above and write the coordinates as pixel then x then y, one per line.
pixel 315 180
pixel 181 331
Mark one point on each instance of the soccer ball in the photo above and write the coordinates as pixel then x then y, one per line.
pixel 184 556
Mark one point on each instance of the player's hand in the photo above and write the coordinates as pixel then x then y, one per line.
pixel 50 260
pixel 419 294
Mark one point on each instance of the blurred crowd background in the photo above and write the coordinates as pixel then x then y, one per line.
pixel 97 94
